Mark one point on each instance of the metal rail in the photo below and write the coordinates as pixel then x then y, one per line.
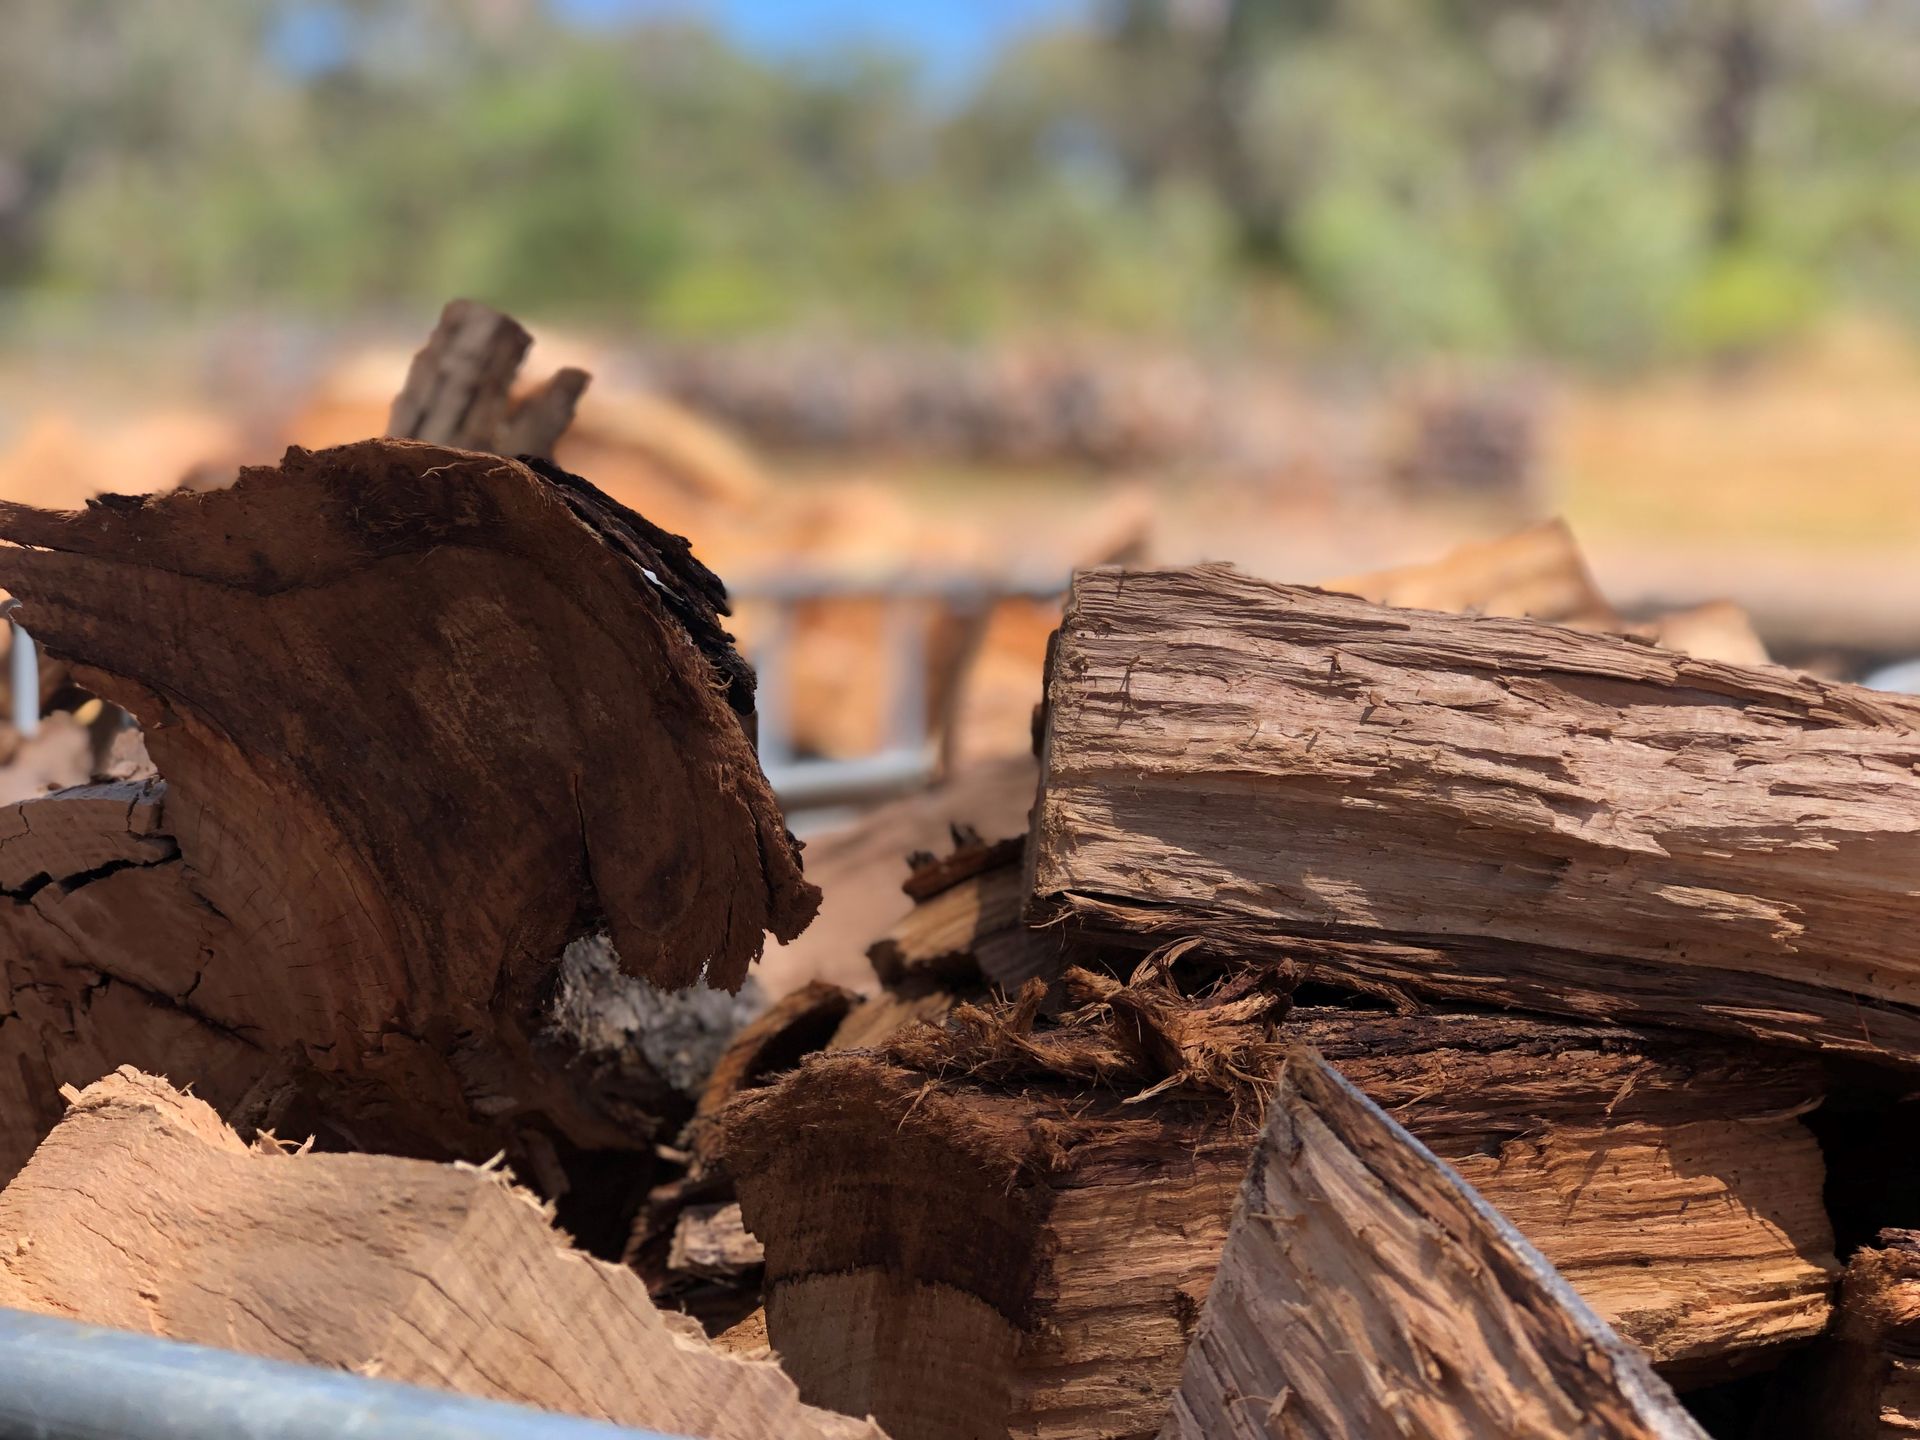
pixel 909 752
pixel 63 1381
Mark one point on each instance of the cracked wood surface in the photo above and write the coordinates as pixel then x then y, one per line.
pixel 425 716
pixel 1061 1236
pixel 1490 809
pixel 1367 1290
pixel 144 1212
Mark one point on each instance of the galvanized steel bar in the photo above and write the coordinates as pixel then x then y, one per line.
pixel 63 1381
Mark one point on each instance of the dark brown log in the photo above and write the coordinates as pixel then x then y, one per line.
pixel 144 1212
pixel 1366 1290
pixel 1862 1380
pixel 425 716
pixel 1488 809
pixel 1009 1226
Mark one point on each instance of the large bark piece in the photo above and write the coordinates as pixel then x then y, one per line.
pixel 1366 1290
pixel 1004 1227
pixel 142 1211
pixel 1490 809
pixel 424 716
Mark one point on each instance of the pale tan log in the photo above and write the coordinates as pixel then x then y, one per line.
pixel 1717 630
pixel 860 867
pixel 1046 1207
pixel 142 1211
pixel 1366 1290
pixel 1538 572
pixel 1486 808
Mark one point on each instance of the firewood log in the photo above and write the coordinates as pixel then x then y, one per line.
pixel 458 390
pixel 966 928
pixel 1366 1290
pixel 424 717
pixel 1003 1226
pixel 1489 809
pixel 1538 572
pixel 860 867
pixel 142 1211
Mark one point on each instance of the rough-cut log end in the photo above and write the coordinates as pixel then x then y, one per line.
pixel 440 707
pixel 908 1241
pixel 1862 1381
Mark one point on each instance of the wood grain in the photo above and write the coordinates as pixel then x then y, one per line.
pixel 142 1211
pixel 1491 809
pixel 1366 1290
pixel 1047 1196
pixel 425 717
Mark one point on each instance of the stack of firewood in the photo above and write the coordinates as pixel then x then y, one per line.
pixel 1386 1022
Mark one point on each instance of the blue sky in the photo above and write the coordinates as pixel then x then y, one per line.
pixel 954 39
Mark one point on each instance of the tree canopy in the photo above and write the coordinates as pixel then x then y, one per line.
pixel 1603 181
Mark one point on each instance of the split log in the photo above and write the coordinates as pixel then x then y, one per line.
pixel 1862 1381
pixel 1489 809
pixel 966 931
pixel 710 1242
pixel 1447 1323
pixel 425 717
pixel 1008 1227
pixel 143 1212
pixel 458 391
pixel 861 866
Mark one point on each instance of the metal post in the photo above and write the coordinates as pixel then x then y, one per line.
pixel 772 698
pixel 62 1381
pixel 23 672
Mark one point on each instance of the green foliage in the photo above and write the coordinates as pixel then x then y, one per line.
pixel 1502 176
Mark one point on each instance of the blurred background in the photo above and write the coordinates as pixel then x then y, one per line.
pixel 908 309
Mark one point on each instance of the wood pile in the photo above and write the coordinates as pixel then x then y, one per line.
pixel 1615 935
pixel 1363 1020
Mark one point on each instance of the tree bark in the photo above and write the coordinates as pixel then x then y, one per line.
pixel 1447 1323
pixel 424 717
pixel 1003 1227
pixel 1495 810
pixel 144 1212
